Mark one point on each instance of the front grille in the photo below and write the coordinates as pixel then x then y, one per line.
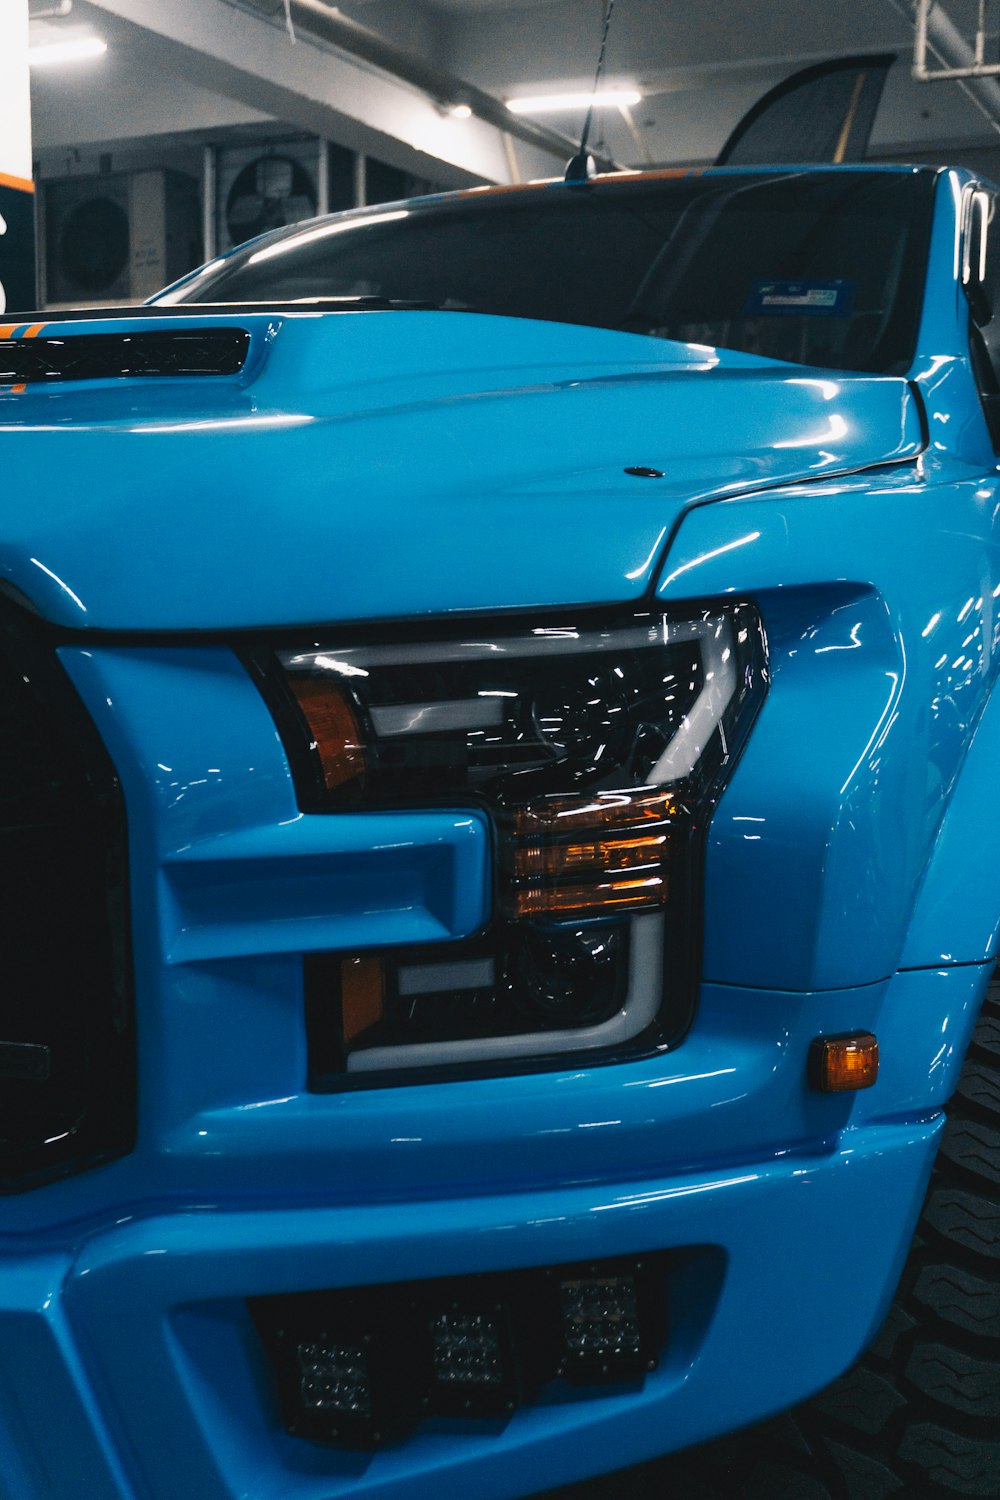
pixel 66 1043
pixel 107 356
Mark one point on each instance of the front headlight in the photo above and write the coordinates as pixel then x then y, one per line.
pixel 598 750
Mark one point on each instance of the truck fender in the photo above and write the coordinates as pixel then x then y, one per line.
pixel 956 917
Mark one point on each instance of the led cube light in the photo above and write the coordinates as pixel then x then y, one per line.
pixel 334 1377
pixel 471 1359
pixel 343 1368
pixel 606 1324
pixel 466 1349
pixel 600 1319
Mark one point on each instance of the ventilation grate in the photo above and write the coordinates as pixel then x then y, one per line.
pixel 109 356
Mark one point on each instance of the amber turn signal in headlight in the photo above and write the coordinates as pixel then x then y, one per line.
pixel 336 737
pixel 591 900
pixel 839 1064
pixel 556 870
pixel 605 810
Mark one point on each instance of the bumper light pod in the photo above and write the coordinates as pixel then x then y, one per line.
pixel 600 1325
pixel 466 1349
pixel 472 1360
pixel 343 1366
pixel 334 1378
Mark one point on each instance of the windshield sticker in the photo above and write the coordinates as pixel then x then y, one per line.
pixel 811 299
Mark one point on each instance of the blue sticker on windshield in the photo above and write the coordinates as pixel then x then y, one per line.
pixel 800 299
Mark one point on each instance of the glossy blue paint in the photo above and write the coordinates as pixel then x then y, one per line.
pixel 164 1297
pixel 956 917
pixel 206 1112
pixel 840 893
pixel 361 442
pixel 878 682
pixel 924 1027
pixel 234 869
pixel 314 884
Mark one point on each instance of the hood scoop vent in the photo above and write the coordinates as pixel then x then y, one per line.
pixel 109 356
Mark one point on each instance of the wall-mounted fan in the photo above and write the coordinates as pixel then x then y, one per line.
pixel 120 236
pixel 267 194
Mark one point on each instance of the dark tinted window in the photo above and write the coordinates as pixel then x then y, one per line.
pixel 822 268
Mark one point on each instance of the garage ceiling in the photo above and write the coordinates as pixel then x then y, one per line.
pixel 188 66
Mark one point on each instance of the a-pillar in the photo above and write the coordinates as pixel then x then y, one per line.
pixel 17 192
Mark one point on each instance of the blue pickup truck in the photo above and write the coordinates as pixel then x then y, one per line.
pixel 499 824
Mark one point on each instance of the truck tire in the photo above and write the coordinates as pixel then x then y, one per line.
pixel 918 1418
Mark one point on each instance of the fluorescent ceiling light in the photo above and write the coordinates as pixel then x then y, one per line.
pixel 460 111
pixel 539 104
pixel 79 49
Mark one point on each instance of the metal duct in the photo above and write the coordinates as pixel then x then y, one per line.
pixel 947 43
pixel 328 24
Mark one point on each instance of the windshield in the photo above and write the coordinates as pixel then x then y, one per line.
pixel 819 268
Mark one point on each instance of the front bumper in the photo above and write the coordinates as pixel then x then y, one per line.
pixel 129 1364
pixel 133 1366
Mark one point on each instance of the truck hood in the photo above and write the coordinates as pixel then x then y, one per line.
pixel 371 465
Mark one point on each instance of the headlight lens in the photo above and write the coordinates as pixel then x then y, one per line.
pixel 598 749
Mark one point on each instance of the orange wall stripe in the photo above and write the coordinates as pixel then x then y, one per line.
pixel 34 330
pixel 22 184
pixel 7 330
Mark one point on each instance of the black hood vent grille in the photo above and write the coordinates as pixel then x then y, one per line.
pixel 110 356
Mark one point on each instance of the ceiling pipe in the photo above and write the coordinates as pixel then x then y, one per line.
pixel 950 47
pixel 51 12
pixel 330 25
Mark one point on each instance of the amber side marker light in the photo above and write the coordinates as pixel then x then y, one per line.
pixel 839 1064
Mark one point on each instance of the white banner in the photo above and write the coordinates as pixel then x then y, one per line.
pixel 15 95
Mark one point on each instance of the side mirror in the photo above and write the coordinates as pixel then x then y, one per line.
pixel 975 237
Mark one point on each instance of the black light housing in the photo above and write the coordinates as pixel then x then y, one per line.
pixel 610 1318
pixel 471 1365
pixel 597 747
pixel 344 1365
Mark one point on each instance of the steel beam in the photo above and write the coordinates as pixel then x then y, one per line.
pixel 321 90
